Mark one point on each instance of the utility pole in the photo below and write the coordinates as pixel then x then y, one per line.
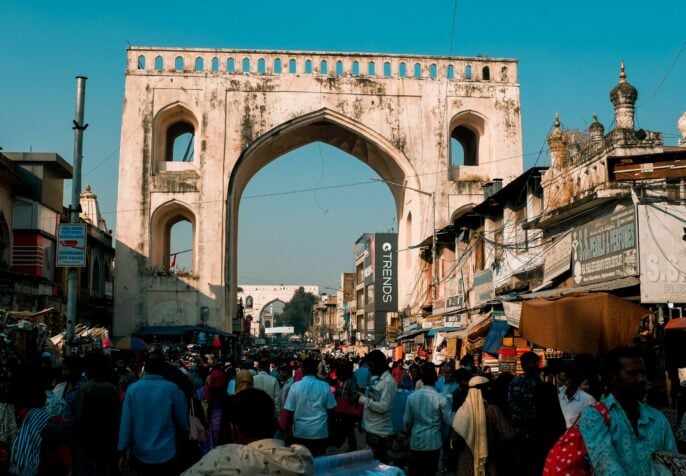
pixel 75 207
pixel 434 238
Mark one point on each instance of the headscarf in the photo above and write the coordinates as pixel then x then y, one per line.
pixel 243 380
pixel 470 424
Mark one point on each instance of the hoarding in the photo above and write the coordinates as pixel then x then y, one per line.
pixel 385 262
pixel 605 249
pixel 663 252
pixel 557 258
pixel 484 290
pixel 279 330
pixel 71 246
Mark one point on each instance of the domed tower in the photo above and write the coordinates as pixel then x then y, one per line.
pixel 596 130
pixel 623 97
pixel 681 124
pixel 557 144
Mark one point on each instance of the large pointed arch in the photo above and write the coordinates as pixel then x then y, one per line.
pixel 324 125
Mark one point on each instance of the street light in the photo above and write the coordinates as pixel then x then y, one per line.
pixel 434 250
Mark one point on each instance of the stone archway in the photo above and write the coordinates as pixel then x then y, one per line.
pixel 243 112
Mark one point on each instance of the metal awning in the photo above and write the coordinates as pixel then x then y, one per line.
pixel 605 286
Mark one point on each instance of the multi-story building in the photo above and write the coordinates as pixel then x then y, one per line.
pixel 376 283
pixel 31 197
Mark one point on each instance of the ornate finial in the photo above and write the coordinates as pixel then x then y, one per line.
pixel 88 189
pixel 622 74
pixel 595 118
pixel 557 120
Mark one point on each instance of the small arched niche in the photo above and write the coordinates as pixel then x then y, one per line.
pixel 468 146
pixel 175 131
pixel 162 227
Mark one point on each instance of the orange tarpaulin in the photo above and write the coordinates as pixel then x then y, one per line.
pixel 591 323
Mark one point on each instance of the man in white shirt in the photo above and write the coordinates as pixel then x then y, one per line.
pixel 378 406
pixel 572 399
pixel 268 384
pixel 425 410
pixel 308 404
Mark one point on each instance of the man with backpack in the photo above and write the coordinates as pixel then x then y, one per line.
pixel 623 441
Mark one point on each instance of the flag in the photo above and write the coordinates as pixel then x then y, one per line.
pixel 173 261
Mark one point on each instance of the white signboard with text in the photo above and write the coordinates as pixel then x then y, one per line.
pixel 71 246
pixel 663 252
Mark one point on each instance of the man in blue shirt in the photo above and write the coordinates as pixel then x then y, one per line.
pixel 153 414
pixel 636 431
pixel 425 410
pixel 363 375
pixel 308 404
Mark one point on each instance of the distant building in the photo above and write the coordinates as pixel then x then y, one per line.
pixel 376 286
pixel 261 302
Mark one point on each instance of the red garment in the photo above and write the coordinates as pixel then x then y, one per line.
pixel 397 374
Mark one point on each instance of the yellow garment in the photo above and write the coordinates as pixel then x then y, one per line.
pixel 470 424
pixel 243 380
pixel 259 457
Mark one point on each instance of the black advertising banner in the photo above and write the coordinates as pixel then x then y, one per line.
pixel 385 257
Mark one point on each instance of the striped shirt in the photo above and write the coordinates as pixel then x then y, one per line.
pixel 425 410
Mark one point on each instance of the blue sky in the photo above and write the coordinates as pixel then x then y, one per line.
pixel 568 52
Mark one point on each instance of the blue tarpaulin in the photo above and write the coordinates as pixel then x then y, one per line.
pixel 494 338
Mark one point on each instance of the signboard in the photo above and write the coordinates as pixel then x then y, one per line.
pixel 385 261
pixel 605 249
pixel 513 312
pixel 454 303
pixel 279 330
pixel 71 246
pixel 557 258
pixel 484 290
pixel 663 252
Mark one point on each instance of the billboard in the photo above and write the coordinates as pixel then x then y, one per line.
pixel 605 249
pixel 385 261
pixel 663 252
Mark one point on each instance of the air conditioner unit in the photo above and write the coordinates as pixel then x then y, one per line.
pixel 454 303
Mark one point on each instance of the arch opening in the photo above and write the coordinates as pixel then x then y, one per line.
pixel 172 235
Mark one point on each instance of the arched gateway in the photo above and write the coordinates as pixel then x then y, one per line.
pixel 198 124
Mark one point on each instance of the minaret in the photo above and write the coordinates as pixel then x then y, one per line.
pixel 557 144
pixel 596 130
pixel 623 97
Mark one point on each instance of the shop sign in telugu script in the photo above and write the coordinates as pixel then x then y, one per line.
pixel 605 249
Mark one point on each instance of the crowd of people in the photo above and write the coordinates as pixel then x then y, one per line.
pixel 274 412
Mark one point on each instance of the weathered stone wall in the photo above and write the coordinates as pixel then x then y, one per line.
pixel 246 118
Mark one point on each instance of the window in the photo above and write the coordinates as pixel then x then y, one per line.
pixel 387 69
pixel 178 63
pixel 277 66
pixel 199 64
pixel 308 67
pixel 402 70
pixel 292 69
pixel 261 66
pixel 159 63
pixel 433 71
pixel 371 69
pixel 339 68
pixel 215 64
pixel 248 302
pixel 180 138
pixel 246 65
pixel 468 72
pixel 172 235
pixel 451 72
pixel 417 71
pixel 503 74
pixel 323 67
pixel 486 73
pixel 230 65
pixel 356 69
pixel 464 146
pixel 141 62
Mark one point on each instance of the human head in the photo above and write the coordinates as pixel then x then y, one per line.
pixel 530 361
pixel 72 368
pixel 244 381
pixel 414 372
pixel 252 416
pixel 462 376
pixel 310 366
pixel 377 362
pixel 264 365
pixel 428 374
pixel 154 364
pixel 625 372
pixel 449 371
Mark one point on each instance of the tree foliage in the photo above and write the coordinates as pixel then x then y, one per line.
pixel 298 311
